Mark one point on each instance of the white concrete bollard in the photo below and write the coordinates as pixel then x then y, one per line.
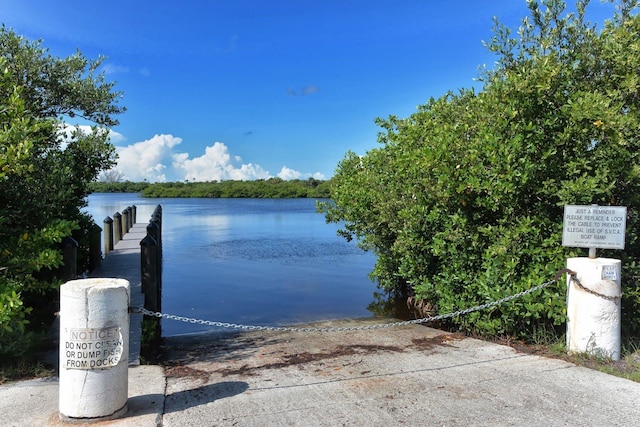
pixel 594 316
pixel 94 349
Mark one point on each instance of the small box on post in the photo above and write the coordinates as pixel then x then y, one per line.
pixel 593 295
pixel 94 349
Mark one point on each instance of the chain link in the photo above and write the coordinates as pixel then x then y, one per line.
pixel 361 328
pixel 589 291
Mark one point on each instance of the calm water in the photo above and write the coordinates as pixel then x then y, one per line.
pixel 251 261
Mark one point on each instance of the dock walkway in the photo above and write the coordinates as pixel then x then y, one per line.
pixel 124 263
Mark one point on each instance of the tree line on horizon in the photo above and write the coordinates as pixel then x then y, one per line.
pixel 272 188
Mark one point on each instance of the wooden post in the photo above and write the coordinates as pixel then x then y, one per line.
pixel 117 227
pixel 125 222
pixel 134 217
pixel 151 287
pixel 129 218
pixel 156 218
pixel 95 252
pixel 69 259
pixel 108 235
pixel 149 276
pixel 154 231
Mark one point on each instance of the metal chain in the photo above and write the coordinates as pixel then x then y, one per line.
pixel 575 280
pixel 356 328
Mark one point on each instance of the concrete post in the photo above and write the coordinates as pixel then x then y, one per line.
pixel 94 349
pixel 117 227
pixel 594 315
pixel 108 235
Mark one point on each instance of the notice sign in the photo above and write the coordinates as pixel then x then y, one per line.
pixel 92 348
pixel 594 226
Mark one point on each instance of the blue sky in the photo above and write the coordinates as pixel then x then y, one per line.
pixel 247 89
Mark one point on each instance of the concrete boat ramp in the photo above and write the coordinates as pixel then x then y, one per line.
pixel 404 376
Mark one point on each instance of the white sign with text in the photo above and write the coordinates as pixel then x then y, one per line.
pixel 594 226
pixel 92 348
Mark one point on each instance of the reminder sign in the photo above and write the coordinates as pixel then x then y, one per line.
pixel 92 348
pixel 594 226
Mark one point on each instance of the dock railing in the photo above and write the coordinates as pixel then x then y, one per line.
pixel 115 229
pixel 151 262
pixel 151 274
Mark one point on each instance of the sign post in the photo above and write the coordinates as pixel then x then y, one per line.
pixel 593 300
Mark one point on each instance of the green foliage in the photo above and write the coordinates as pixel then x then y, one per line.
pixel 272 188
pixel 151 339
pixel 463 201
pixel 56 87
pixel 44 177
pixel 118 187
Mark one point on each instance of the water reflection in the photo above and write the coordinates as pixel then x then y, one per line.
pixel 253 261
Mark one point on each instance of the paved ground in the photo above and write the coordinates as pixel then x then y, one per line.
pixel 407 376
pixel 34 403
pixel 412 376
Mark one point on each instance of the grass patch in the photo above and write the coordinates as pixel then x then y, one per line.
pixel 151 340
pixel 549 343
pixel 20 357
pixel 26 370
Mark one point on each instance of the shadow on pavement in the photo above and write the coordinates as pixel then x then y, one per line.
pixel 143 405
pixel 212 347
pixel 202 395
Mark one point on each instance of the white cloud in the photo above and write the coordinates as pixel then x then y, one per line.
pixel 147 159
pixel 288 174
pixel 110 68
pixel 156 160
pixel 215 165
pixel 66 131
pixel 116 137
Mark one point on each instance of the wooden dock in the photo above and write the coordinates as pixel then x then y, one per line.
pixel 124 263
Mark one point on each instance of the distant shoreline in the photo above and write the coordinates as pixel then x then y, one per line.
pixel 272 188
